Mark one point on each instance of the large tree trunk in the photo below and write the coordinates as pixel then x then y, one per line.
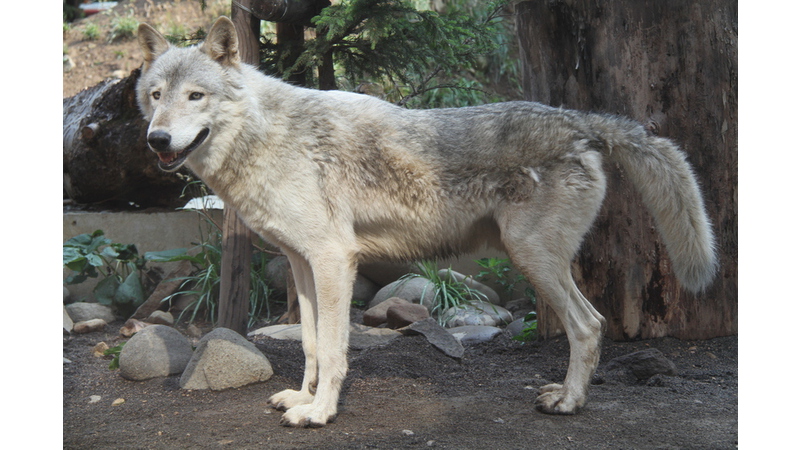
pixel 672 65
pixel 105 152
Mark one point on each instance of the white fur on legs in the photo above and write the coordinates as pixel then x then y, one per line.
pixel 333 279
pixel 306 297
pixel 584 327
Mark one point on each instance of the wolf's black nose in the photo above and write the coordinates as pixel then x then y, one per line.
pixel 159 140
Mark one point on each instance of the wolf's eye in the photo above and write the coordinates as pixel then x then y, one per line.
pixel 156 95
pixel 195 96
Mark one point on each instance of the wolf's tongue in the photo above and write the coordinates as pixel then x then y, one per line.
pixel 166 157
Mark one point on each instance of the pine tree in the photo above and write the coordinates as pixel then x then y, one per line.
pixel 408 54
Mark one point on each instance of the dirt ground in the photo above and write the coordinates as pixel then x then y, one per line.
pixel 407 394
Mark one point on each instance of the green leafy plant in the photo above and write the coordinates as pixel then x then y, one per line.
pixel 91 32
pixel 114 351
pixel 531 330
pixel 204 284
pixel 123 27
pixel 500 272
pixel 447 290
pixel 119 265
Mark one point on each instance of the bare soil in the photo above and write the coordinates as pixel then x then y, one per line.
pixel 407 394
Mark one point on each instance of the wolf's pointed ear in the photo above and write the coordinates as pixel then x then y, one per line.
pixel 222 44
pixel 153 44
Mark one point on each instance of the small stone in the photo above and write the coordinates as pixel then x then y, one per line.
pixel 194 331
pixel 68 323
pixel 131 327
pixel 94 399
pixel 402 315
pixel 377 314
pixel 118 402
pixel 89 326
pixel 160 318
pixel 80 312
pixel 408 432
pixel 98 351
pixel 436 336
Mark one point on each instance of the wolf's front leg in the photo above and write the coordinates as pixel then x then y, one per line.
pixel 333 280
pixel 307 299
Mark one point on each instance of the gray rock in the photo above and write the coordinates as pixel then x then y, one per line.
pixel 477 313
pixel 474 334
pixel 377 314
pixel 277 269
pixel 224 359
pixel 361 336
pixel 437 336
pixel 415 290
pixel 401 315
pixel 364 290
pixel 66 295
pixel 516 327
pixel 81 311
pixel 160 318
pixel 68 322
pixel 155 351
pixel 639 366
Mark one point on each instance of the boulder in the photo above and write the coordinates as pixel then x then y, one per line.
pixel 477 313
pixel 401 315
pixel 415 290
pixel 224 359
pixel 155 351
pixel 82 311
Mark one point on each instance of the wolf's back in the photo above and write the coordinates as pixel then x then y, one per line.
pixel 659 171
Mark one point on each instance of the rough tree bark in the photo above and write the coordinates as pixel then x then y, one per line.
pixel 672 65
pixel 105 151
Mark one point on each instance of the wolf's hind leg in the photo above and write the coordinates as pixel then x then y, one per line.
pixel 306 297
pixel 542 236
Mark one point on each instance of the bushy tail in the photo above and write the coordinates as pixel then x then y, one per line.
pixel 659 171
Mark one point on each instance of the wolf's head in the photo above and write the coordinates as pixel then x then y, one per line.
pixel 182 92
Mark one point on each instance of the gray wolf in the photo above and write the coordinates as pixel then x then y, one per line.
pixel 335 179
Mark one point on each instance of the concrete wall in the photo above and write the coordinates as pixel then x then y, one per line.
pixel 164 230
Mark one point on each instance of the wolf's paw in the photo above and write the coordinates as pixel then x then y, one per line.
pixel 554 399
pixel 290 398
pixel 307 416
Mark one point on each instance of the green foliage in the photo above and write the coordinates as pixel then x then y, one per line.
pixel 500 271
pixel 93 255
pixel 411 53
pixel 448 292
pixel 114 351
pixel 204 284
pixel 123 27
pixel 531 331
pixel 91 32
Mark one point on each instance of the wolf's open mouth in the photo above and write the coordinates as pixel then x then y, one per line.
pixel 172 161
